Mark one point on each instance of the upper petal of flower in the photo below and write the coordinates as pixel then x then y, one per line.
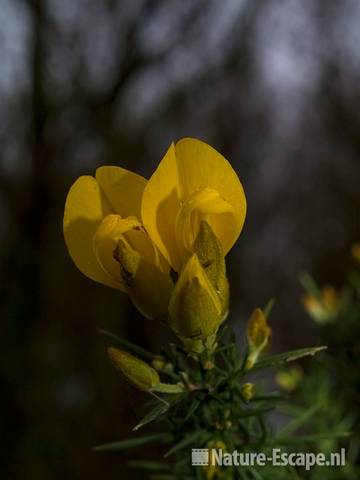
pixel 123 189
pixel 85 208
pixel 89 201
pixel 188 167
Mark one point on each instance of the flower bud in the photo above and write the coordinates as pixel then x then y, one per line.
pixel 212 259
pixel 161 365
pixel 159 362
pixel 247 391
pixel 258 336
pixel 290 379
pixel 195 308
pixel 136 371
pixel 198 345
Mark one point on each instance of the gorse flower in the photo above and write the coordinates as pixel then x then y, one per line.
pixel 290 378
pixel 193 182
pixel 247 391
pixel 126 232
pixel 325 307
pixel 212 470
pixel 164 242
pixel 108 243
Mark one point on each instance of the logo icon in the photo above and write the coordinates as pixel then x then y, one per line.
pixel 200 456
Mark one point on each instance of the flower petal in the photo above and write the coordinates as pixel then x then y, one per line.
pixel 190 166
pixel 105 241
pixel 85 209
pixel 160 206
pixel 123 190
pixel 201 166
pixel 125 252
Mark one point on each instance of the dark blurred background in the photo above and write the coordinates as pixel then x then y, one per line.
pixel 273 85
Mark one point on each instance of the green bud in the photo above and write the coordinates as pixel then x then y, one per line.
pixel 161 365
pixel 247 391
pixel 212 259
pixel 159 362
pixel 136 371
pixel 195 308
pixel 148 287
pixel 290 379
pixel 258 336
pixel 198 345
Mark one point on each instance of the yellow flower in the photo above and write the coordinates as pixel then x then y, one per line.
pixel 195 308
pixel 213 470
pixel 125 232
pixel 247 391
pixel 290 379
pixel 355 251
pixel 193 182
pixel 137 372
pixel 325 307
pixel 108 243
pixel 258 336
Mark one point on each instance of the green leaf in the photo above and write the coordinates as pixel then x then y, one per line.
pixel 256 475
pixel 310 285
pixel 354 281
pixel 224 348
pixel 268 308
pixel 272 397
pixel 160 409
pixel 161 438
pixel 255 412
pixel 150 466
pixel 194 407
pixel 127 344
pixel 222 330
pixel 310 438
pixel 281 358
pixel 242 473
pixel 299 421
pixel 171 477
pixel 171 388
pixel 189 439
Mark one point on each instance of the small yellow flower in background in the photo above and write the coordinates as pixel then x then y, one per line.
pixel 193 182
pixel 247 391
pixel 258 336
pixel 325 307
pixel 108 243
pixel 137 372
pixel 355 252
pixel 214 471
pixel 290 379
pixel 161 365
